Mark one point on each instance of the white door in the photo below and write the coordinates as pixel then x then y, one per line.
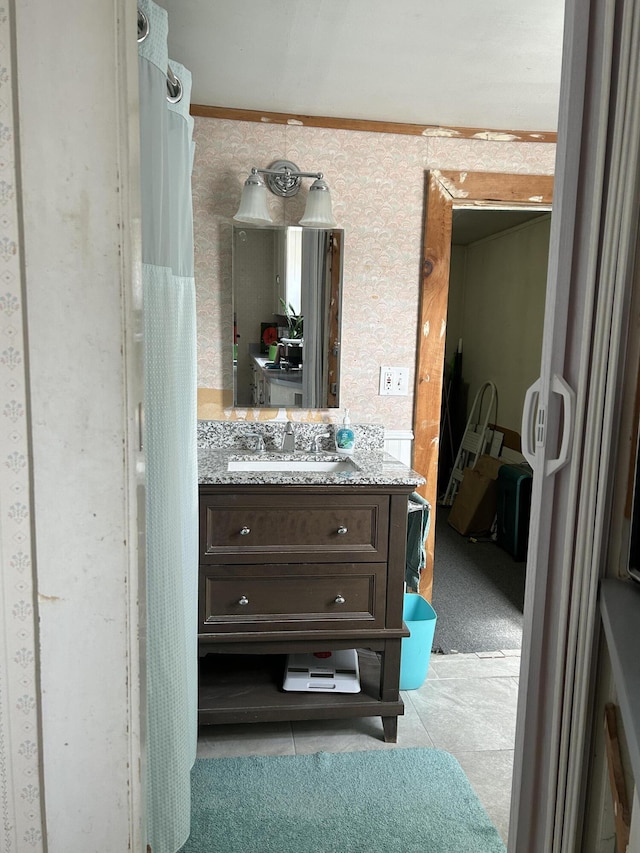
pixel 571 417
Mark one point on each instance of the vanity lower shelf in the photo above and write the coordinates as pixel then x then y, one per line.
pixel 247 688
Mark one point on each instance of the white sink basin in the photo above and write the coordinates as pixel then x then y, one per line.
pixel 331 465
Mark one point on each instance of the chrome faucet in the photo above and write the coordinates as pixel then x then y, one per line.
pixel 288 438
pixel 317 440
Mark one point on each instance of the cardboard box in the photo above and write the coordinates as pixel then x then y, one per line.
pixel 511 439
pixel 475 504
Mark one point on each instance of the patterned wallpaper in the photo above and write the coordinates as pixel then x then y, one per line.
pixel 21 823
pixel 377 185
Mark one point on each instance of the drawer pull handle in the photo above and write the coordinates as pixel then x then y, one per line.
pixel 244 600
pixel 339 599
pixel 245 531
pixel 342 530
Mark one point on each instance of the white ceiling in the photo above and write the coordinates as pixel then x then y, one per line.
pixel 489 64
pixel 470 225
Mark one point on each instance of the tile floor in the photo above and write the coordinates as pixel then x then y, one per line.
pixel 467 706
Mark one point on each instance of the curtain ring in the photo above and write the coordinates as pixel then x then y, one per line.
pixel 174 87
pixel 143 26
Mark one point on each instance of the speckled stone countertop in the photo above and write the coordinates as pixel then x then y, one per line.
pixel 369 468
pixel 222 441
pixel 241 434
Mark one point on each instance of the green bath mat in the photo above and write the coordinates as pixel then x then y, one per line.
pixel 382 801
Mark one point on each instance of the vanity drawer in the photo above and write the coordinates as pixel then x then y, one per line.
pixel 245 528
pixel 292 597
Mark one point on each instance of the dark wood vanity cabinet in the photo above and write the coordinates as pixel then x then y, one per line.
pixel 299 569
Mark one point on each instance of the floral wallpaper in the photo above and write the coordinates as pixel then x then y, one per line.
pixel 377 185
pixel 21 821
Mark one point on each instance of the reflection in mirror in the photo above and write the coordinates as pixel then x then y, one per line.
pixel 287 305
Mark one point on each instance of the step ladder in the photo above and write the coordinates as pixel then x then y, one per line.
pixel 476 438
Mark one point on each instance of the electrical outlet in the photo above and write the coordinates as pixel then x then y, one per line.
pixel 394 381
pixel 386 380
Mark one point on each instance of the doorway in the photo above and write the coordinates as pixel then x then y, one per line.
pixel 444 191
pixel 497 290
pixel 475 695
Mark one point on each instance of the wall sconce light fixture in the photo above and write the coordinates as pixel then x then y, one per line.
pixel 284 179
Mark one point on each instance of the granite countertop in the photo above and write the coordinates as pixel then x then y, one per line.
pixel 370 468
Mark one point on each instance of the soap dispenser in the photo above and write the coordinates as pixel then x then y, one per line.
pixel 345 439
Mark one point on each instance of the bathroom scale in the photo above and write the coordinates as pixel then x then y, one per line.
pixel 325 672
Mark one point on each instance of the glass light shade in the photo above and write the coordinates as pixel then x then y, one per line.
pixel 318 212
pixel 253 203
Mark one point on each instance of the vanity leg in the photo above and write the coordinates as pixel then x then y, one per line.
pixel 390 671
pixel 390 728
pixel 390 686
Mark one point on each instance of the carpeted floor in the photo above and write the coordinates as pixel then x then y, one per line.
pixel 478 593
pixel 379 801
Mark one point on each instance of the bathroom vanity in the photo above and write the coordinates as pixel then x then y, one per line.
pixel 274 387
pixel 300 561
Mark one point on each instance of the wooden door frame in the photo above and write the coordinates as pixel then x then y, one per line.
pixel 445 190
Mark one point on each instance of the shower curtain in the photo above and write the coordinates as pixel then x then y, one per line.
pixel 166 155
pixel 316 298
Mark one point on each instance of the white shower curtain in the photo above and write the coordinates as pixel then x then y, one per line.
pixel 169 438
pixel 316 299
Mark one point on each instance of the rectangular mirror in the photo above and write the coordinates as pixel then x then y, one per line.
pixel 287 312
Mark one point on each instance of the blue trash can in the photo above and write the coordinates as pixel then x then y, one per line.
pixel 420 619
